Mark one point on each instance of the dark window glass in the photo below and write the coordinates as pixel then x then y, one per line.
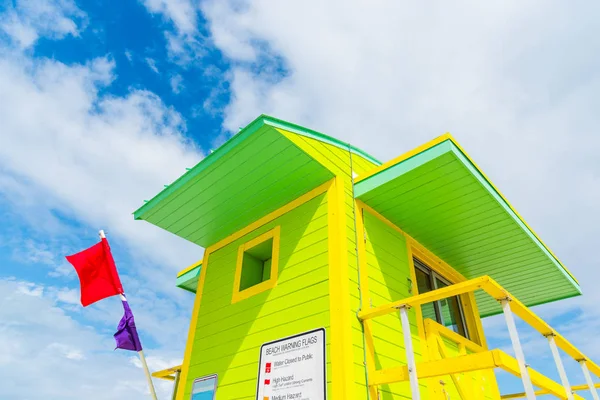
pixel 447 312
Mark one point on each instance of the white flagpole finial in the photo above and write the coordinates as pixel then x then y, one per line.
pixel 101 233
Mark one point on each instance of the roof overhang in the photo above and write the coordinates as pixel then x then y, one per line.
pixel 437 195
pixel 254 173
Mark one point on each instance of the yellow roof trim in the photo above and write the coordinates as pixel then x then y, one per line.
pixel 188 269
pixel 511 207
pixel 403 157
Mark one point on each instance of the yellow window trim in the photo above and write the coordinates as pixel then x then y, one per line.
pixel 270 283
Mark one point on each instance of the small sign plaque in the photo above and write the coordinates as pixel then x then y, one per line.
pixel 293 368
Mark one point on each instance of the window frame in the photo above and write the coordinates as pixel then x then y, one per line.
pixel 433 275
pixel 206 378
pixel 239 295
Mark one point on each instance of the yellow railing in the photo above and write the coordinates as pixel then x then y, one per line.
pixel 482 359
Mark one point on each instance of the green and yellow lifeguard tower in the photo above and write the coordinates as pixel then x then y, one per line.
pixel 327 274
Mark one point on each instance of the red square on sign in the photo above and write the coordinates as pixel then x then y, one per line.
pixel 267 381
pixel 268 368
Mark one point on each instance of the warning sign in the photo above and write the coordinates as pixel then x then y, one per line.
pixel 293 368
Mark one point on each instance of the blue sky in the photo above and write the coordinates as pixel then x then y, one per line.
pixel 104 102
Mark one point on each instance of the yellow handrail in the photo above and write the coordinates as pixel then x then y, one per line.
pixel 495 290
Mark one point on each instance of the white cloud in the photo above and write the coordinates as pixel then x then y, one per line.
pixel 176 82
pixel 29 289
pixel 184 40
pixel 40 344
pixel 152 64
pixel 26 20
pixel 94 158
pixel 181 13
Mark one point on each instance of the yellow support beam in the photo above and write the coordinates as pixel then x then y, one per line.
pixel 545 329
pixel 167 374
pixel 510 365
pixel 473 362
pixel 578 388
pixel 432 326
pixel 430 369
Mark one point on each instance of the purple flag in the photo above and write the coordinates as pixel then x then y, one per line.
pixel 126 336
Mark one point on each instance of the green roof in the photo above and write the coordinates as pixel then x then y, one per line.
pixel 439 197
pixel 255 172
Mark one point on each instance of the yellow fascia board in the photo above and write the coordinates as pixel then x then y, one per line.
pixel 403 157
pixel 270 283
pixel 191 267
pixel 510 205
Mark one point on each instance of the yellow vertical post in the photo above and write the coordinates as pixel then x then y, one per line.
pixel 342 366
pixel 365 297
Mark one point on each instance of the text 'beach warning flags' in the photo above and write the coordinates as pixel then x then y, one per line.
pixel 99 279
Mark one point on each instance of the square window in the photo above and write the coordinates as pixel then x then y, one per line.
pixel 257 265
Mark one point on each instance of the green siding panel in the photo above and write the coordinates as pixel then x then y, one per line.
pixel 389 270
pixel 228 336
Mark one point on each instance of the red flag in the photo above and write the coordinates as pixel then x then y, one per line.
pixel 97 273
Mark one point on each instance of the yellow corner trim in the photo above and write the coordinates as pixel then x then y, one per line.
pixel 403 157
pixel 270 283
pixel 187 356
pixel 339 293
pixel 188 269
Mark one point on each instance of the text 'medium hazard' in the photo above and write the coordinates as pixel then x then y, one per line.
pixel 293 368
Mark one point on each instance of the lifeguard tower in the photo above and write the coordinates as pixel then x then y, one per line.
pixel 327 274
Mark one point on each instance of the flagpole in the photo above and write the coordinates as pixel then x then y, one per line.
pixel 141 352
